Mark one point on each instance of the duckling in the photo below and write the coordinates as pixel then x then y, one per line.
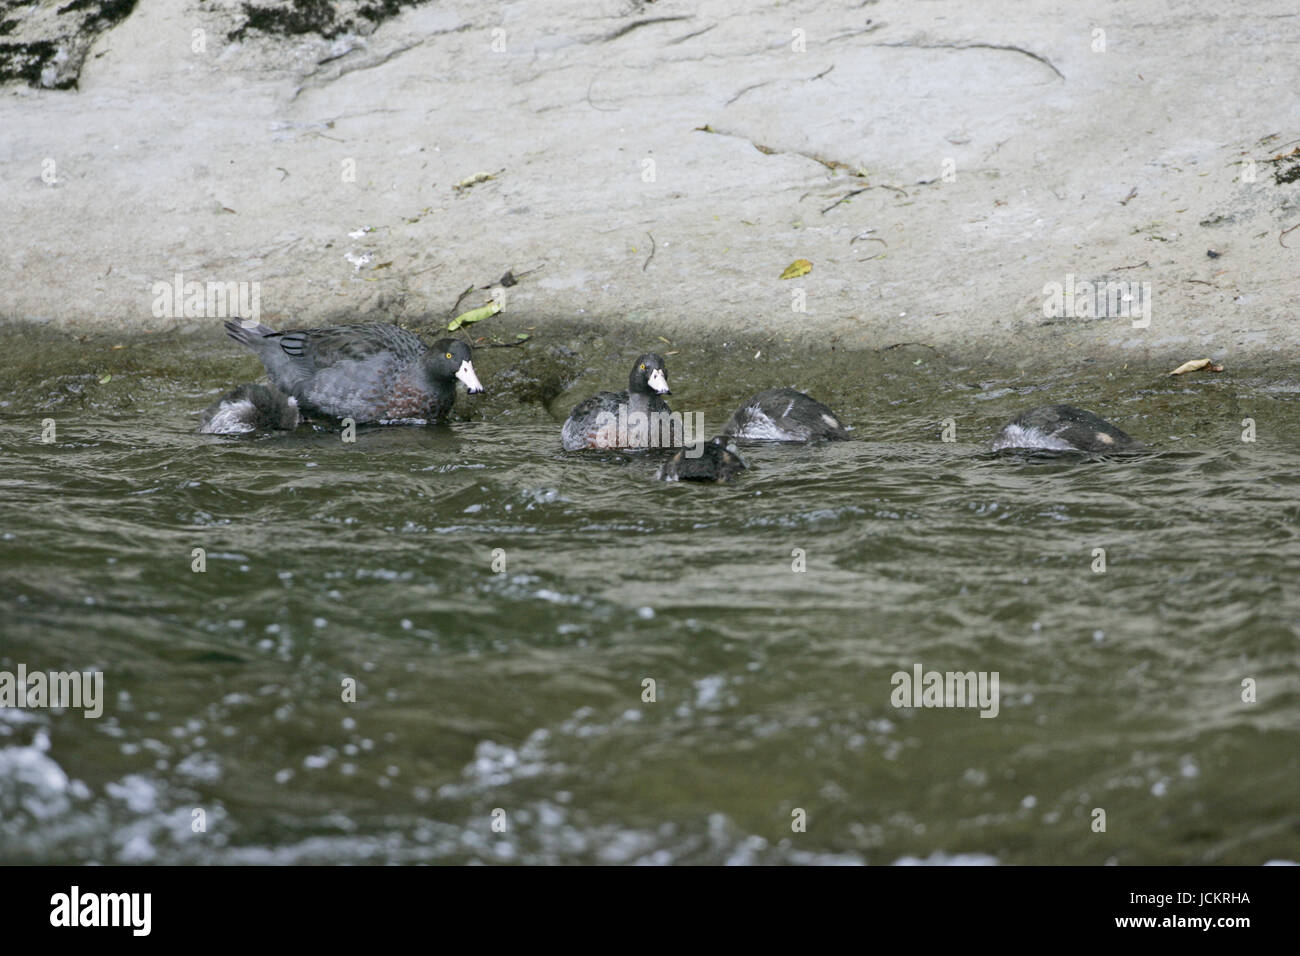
pixel 250 408
pixel 718 461
pixel 1063 428
pixel 784 414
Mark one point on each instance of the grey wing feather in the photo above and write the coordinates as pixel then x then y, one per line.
pixel 349 343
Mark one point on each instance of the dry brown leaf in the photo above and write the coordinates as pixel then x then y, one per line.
pixel 1197 365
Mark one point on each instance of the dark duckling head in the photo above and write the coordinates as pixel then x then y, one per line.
pixel 648 376
pixel 250 408
pixel 449 359
pixel 718 461
pixel 1063 428
pixel 785 414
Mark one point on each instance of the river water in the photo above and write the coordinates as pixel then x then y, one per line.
pixel 501 710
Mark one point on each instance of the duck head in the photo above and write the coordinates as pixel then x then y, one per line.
pixel 451 358
pixel 648 376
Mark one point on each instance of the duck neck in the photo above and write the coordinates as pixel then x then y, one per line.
pixel 437 380
pixel 638 402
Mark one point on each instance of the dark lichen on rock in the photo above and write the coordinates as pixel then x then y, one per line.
pixel 44 44
pixel 325 18
pixel 1288 171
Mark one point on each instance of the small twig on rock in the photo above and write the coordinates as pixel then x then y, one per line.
pixel 637 24
pixel 845 198
pixel 874 239
pixel 899 345
pixel 455 309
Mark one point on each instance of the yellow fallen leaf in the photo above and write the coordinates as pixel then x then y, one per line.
pixel 474 315
pixel 1195 366
pixel 800 267
pixel 105 379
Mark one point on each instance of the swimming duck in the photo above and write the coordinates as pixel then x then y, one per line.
pixel 718 461
pixel 1063 428
pixel 637 418
pixel 250 408
pixel 369 373
pixel 784 414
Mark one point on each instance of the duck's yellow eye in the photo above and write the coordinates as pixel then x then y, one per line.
pixel 448 355
pixel 643 368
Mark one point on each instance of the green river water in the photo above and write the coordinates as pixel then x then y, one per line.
pixel 500 713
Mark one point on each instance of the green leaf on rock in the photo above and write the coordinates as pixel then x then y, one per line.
pixel 474 315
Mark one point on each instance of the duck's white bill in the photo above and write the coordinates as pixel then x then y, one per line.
pixel 658 382
pixel 466 375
